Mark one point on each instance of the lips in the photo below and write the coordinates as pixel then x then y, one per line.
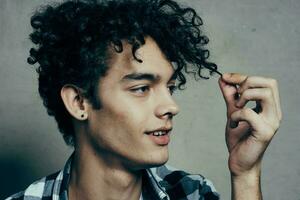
pixel 160 137
pixel 159 132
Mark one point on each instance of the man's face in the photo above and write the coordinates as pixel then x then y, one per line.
pixel 136 101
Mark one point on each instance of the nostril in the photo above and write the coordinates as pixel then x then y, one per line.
pixel 170 115
pixel 170 109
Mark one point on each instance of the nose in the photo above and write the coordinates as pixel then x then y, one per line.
pixel 166 107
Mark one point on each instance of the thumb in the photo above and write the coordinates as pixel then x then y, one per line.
pixel 230 95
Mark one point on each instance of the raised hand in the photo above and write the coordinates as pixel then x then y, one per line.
pixel 249 131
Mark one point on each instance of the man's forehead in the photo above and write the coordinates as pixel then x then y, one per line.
pixel 154 64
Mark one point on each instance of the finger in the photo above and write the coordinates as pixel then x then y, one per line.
pixel 234 78
pixel 248 115
pixel 261 82
pixel 230 96
pixel 235 134
pixel 260 130
pixel 264 96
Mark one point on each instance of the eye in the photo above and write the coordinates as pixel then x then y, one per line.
pixel 140 90
pixel 172 88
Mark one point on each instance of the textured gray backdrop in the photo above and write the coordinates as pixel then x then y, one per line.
pixel 256 37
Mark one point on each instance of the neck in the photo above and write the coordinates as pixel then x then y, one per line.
pixel 99 176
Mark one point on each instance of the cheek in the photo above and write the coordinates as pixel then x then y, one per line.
pixel 119 129
pixel 121 120
pixel 122 115
pixel 132 118
pixel 129 111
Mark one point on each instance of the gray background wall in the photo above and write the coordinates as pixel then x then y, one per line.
pixel 256 37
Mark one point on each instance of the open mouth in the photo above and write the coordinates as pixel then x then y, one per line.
pixel 159 133
pixel 161 137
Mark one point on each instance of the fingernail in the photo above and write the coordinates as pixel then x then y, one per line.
pixel 233 124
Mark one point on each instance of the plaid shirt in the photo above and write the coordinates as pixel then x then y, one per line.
pixel 161 183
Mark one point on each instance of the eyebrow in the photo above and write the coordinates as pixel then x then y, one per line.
pixel 144 76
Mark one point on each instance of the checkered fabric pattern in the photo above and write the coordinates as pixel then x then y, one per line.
pixel 160 183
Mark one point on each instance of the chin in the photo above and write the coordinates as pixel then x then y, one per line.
pixel 149 159
pixel 160 163
pixel 156 159
pixel 148 165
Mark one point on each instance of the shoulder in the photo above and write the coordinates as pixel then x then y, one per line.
pixel 181 184
pixel 38 189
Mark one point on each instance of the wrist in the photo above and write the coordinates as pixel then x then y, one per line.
pixel 237 170
pixel 246 186
pixel 248 179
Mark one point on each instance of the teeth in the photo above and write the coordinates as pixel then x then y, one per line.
pixel 159 133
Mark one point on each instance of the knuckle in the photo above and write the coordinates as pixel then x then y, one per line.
pixel 274 130
pixel 278 122
pixel 280 118
pixel 276 125
pixel 273 82
pixel 268 92
pixel 246 111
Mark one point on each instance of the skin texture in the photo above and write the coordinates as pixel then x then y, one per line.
pixel 111 144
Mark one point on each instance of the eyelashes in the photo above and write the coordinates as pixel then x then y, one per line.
pixel 143 90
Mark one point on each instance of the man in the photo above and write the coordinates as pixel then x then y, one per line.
pixel 107 71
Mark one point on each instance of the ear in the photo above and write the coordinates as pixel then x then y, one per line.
pixel 74 101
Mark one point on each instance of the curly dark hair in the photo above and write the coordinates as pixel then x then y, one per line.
pixel 72 40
